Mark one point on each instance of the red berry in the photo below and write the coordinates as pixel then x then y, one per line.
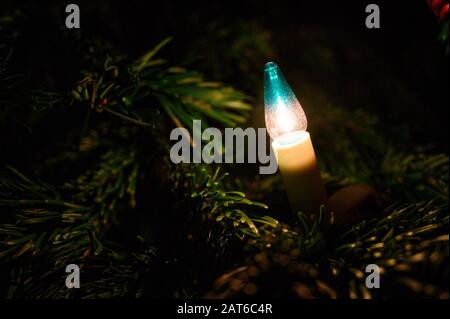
pixel 443 14
pixel 439 8
pixel 435 5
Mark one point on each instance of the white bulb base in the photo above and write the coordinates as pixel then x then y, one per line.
pixel 298 167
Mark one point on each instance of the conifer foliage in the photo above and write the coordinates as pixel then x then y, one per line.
pixel 86 180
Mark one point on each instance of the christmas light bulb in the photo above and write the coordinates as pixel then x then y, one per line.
pixel 284 115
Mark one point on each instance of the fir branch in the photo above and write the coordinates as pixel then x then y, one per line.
pixel 111 181
pixel 226 207
pixel 409 244
pixel 40 236
pixel 36 220
pixel 406 243
pixel 127 88
pixel 17 94
pixel 415 176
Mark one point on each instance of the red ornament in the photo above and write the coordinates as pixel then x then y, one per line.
pixel 440 8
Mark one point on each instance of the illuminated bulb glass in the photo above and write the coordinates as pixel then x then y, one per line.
pixel 284 115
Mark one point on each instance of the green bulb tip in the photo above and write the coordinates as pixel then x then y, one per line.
pixel 270 66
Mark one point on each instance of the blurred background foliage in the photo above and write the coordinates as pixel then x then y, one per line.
pixel 85 117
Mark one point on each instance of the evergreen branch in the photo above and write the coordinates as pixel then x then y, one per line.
pixel 127 118
pixel 415 176
pixel 53 233
pixel 16 94
pixel 113 180
pixel 223 206
pixel 404 240
pixel 123 88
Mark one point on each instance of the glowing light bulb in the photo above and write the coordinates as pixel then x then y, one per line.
pixel 283 112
